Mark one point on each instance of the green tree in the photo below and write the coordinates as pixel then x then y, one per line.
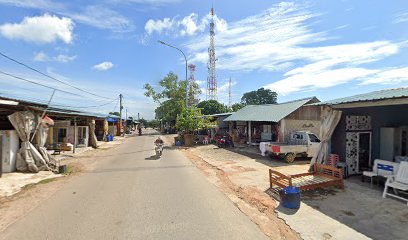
pixel 193 91
pixel 260 96
pixel 171 96
pixel 143 122
pixel 190 120
pixel 212 107
pixel 153 123
pixel 237 106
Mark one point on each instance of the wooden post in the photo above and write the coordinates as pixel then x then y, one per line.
pixel 75 135
pixel 249 132
pixel 1 153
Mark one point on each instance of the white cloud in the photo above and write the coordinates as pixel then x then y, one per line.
pixel 99 16
pixel 102 17
pixel 401 18
pixel 281 39
pixel 388 76
pixel 333 65
pixel 103 66
pixel 40 29
pixel 41 57
pixel 64 58
pixel 261 41
pixel 190 25
pixel 159 26
pixel 41 4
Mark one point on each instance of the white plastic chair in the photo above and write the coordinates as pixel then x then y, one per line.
pixel 398 182
pixel 382 168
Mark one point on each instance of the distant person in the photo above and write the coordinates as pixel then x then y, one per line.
pixel 158 141
pixel 139 128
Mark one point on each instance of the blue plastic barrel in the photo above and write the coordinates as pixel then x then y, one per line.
pixel 111 137
pixel 290 197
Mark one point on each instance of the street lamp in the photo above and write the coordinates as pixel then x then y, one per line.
pixel 185 58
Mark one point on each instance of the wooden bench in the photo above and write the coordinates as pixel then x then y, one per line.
pixel 322 176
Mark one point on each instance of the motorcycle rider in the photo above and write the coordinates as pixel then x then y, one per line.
pixel 158 141
pixel 159 146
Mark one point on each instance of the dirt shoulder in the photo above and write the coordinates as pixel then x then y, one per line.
pixel 243 177
pixel 252 201
pixel 12 208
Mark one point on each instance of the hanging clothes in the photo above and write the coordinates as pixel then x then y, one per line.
pixel 29 159
pixel 93 140
pixel 329 121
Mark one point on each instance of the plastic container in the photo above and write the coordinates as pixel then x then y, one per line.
pixel 290 197
pixel 62 169
pixel 178 143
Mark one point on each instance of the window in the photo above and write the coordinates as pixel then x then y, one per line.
pixel 313 138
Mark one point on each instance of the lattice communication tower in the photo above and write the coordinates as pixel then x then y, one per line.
pixel 212 76
pixel 192 96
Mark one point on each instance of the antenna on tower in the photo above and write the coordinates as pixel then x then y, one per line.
pixel 212 74
pixel 229 93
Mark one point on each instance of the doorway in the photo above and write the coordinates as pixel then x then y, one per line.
pixel 358 151
pixel 364 151
pixel 62 135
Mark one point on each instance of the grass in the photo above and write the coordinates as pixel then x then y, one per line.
pixel 69 171
pixel 44 181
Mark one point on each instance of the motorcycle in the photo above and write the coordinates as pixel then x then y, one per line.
pixel 159 149
pixel 225 141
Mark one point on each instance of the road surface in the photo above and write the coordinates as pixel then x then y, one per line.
pixel 132 195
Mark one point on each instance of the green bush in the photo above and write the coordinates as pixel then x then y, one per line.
pixel 191 120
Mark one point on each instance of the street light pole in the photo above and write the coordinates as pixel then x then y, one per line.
pixel 185 58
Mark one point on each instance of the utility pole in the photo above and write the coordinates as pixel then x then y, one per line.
pixel 126 121
pixel 229 93
pixel 75 136
pixel 120 114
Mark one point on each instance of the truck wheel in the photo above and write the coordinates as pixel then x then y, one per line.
pixel 290 157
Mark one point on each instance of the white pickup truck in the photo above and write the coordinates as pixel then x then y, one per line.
pixel 300 144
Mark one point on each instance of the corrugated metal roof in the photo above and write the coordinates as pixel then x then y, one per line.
pixel 75 113
pixel 268 112
pixel 219 114
pixel 65 111
pixel 371 96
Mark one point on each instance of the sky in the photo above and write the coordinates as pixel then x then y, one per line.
pixel 327 49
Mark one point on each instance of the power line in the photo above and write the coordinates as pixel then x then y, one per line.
pixel 46 75
pixel 36 83
pixel 95 106
pixel 113 110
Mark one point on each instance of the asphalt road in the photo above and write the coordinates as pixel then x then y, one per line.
pixel 132 195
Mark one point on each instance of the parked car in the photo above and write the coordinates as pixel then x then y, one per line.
pixel 300 144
